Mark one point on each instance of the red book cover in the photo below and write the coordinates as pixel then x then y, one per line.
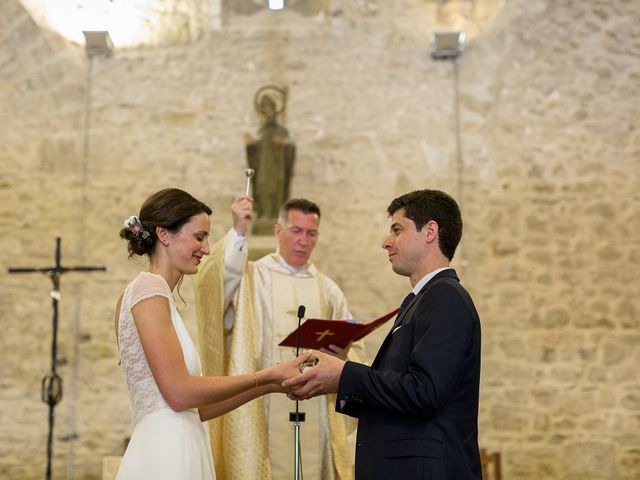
pixel 317 334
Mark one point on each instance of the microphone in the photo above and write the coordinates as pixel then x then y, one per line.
pixel 304 366
pixel 301 311
pixel 297 416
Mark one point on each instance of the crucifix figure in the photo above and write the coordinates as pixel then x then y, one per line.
pixel 51 388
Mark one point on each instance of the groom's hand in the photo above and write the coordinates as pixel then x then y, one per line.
pixel 318 380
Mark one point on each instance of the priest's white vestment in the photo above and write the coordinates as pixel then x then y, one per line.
pixel 262 299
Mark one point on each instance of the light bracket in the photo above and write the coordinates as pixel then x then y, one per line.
pixel 447 45
pixel 98 42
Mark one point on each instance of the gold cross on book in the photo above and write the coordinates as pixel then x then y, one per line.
pixel 321 335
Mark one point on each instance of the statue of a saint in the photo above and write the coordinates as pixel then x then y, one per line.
pixel 271 155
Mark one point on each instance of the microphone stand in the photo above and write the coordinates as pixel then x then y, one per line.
pixel 297 417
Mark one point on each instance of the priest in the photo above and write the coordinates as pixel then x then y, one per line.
pixel 259 302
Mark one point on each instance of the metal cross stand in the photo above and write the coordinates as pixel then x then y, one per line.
pixel 51 390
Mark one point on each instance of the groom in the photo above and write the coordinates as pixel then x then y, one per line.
pixel 417 404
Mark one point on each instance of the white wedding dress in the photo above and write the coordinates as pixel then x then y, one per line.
pixel 165 445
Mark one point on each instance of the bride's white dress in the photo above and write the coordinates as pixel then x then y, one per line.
pixel 164 444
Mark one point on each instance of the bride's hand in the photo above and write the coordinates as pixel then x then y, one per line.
pixel 289 369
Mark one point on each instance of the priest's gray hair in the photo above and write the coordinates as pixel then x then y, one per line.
pixel 301 204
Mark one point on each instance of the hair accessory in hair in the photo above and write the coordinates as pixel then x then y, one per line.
pixel 133 224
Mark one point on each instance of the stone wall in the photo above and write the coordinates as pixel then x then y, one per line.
pixel 547 177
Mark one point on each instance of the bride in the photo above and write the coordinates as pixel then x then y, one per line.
pixel 169 396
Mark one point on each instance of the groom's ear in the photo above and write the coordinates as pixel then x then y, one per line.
pixel 430 231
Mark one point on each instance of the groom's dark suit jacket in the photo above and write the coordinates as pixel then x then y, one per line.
pixel 417 404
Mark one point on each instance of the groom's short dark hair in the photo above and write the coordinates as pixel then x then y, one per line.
pixel 422 206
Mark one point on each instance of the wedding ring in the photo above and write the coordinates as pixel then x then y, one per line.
pixel 304 366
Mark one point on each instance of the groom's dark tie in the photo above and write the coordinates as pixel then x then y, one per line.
pixel 405 302
pixel 403 306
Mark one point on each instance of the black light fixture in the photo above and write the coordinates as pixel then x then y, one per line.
pixel 447 45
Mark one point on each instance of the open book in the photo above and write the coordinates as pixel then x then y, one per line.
pixel 315 333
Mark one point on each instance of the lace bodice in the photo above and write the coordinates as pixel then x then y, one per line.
pixel 143 391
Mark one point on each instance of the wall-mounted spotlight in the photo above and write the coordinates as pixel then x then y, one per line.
pixel 447 45
pixel 276 4
pixel 98 42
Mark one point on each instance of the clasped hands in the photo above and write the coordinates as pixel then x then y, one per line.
pixel 308 381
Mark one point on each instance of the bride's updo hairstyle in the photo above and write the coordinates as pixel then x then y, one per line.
pixel 170 208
